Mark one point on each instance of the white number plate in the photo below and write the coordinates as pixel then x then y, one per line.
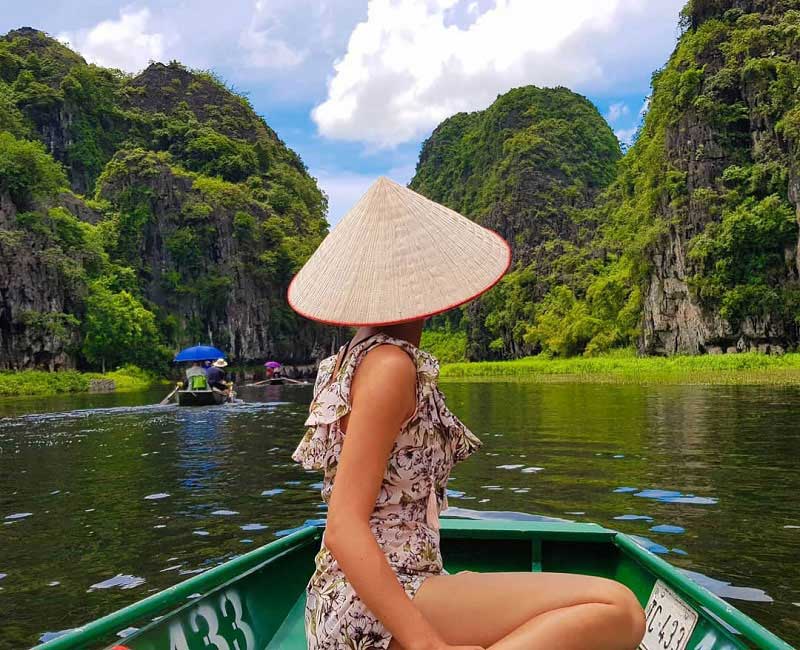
pixel 670 621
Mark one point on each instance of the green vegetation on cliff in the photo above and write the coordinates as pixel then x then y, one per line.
pixel 531 167
pixel 688 244
pixel 151 211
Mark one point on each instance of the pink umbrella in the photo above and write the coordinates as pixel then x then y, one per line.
pixel 272 364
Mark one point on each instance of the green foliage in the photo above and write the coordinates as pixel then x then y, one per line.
pixel 448 346
pixel 623 366
pixel 27 172
pixel 119 330
pixel 39 382
pixel 189 196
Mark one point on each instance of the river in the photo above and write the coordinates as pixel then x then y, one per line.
pixel 103 501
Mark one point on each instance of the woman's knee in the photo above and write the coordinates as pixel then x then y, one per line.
pixel 629 613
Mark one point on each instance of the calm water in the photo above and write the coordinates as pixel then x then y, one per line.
pixel 103 505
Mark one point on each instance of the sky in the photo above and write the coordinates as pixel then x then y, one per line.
pixel 355 86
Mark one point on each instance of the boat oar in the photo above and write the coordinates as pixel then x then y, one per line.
pixel 258 383
pixel 169 397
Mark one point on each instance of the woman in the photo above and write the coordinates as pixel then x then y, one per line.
pixel 378 425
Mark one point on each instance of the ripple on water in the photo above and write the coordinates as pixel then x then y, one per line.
pixel 633 518
pixel 253 527
pixel 156 496
pixel 649 544
pixel 625 490
pixel 225 513
pixel 18 515
pixel 726 589
pixel 123 581
pixel 674 496
pixel 49 636
pixel 272 492
pixel 668 528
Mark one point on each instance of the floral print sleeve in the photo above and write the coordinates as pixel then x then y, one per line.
pixel 405 520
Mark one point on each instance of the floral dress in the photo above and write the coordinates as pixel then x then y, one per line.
pixel 405 521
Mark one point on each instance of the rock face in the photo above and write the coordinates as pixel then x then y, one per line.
pixel 726 112
pixel 528 167
pixel 33 295
pixel 175 192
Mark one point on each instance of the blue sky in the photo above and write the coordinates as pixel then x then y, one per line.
pixel 355 86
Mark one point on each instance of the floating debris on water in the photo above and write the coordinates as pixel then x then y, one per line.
pixel 121 580
pixel 156 496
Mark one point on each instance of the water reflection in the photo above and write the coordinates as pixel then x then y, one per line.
pixel 138 498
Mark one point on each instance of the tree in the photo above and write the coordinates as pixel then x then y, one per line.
pixel 118 329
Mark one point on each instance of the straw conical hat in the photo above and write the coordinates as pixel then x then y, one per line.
pixel 396 257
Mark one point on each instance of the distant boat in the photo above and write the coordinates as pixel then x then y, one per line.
pixel 257 600
pixel 201 397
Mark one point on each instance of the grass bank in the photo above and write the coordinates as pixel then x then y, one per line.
pixel 627 368
pixel 39 382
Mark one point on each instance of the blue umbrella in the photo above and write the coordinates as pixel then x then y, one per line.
pixel 200 353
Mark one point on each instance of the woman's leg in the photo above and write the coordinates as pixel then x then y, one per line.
pixel 532 611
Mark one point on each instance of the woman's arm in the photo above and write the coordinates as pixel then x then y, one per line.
pixel 383 397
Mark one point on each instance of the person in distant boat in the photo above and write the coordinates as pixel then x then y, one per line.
pixel 216 376
pixel 196 377
pixel 379 429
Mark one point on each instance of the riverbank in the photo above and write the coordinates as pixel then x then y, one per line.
pixel 40 382
pixel 626 368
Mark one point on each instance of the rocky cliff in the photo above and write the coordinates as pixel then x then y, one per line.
pixel 529 167
pixel 720 142
pixel 163 193
pixel 688 245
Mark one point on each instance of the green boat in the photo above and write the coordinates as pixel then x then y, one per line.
pixel 256 600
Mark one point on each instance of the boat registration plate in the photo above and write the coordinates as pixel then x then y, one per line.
pixel 670 621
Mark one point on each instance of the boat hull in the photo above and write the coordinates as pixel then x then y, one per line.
pixel 201 397
pixel 257 600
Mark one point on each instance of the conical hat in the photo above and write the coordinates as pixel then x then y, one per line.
pixel 396 257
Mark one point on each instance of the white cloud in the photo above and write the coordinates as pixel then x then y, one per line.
pixel 626 136
pixel 261 40
pixel 407 67
pixel 617 111
pixel 127 43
